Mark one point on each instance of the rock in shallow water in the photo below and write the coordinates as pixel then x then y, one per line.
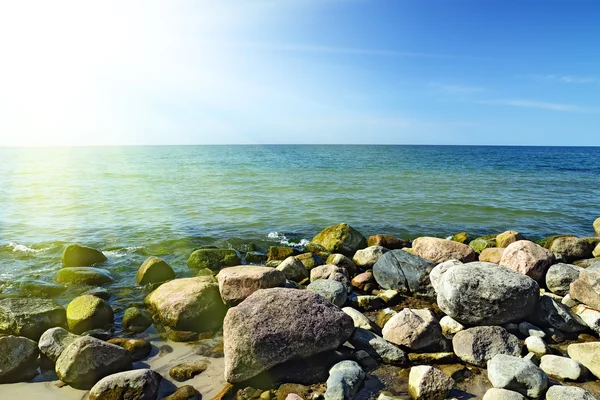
pixel 518 374
pixel 428 383
pixel 84 276
pixel 237 283
pixel 30 317
pixel 75 255
pixel 88 312
pixel 214 259
pixel 140 384
pixel 154 270
pixel 405 272
pixel 136 320
pixel 344 379
pixel 479 344
pixel 340 238
pixel 274 325
pixel 17 359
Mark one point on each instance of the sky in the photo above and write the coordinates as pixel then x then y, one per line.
pixel 146 72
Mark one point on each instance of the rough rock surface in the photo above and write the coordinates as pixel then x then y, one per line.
pixel 139 384
pixel 505 238
pixel 450 326
pixel 136 320
pixel 586 288
pixel 17 359
pixel 54 341
pixel 341 260
pixel 83 276
pixel 572 248
pixel 88 312
pixel 404 272
pixel 502 394
pixel 332 291
pixel 518 374
pixel 154 270
pixel 340 238
pixel 367 257
pixel 213 259
pixel 587 354
pixel 555 314
pixel 237 283
pixel 560 276
pixel 588 315
pixel 309 260
pixel 293 269
pixel 528 258
pixel 562 367
pixel 274 325
pixel 75 255
pixel 344 379
pixel 360 321
pixel 415 329
pixel 493 255
pixel 377 347
pixel 558 392
pixel 429 383
pixel 333 272
pixel 387 241
pixel 479 344
pixel 30 317
pixel 439 250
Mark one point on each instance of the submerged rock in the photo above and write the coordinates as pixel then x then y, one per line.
pixel 84 276
pixel 518 374
pixel 75 255
pixel 88 312
pixel 479 344
pixel 30 317
pixel 54 341
pixel 140 384
pixel 414 329
pixel 214 259
pixel 332 291
pixel 237 283
pixel 17 359
pixel 428 383
pixel 439 250
pixel 154 270
pixel 404 272
pixel 344 379
pixel 340 238
pixel 528 258
pixel 39 288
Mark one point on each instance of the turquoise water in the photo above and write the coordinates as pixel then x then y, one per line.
pixel 165 201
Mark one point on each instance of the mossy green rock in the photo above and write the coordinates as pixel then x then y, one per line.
pixel 81 256
pixel 186 392
pixel 340 238
pixel 462 237
pixel 214 259
pixel 547 242
pixel 255 257
pixel 38 288
pixel 309 260
pixel 88 312
pixel 83 276
pixel 154 270
pixel 597 226
pixel 483 242
pixel 30 317
pixel 279 253
pixel 136 320
pixel 188 370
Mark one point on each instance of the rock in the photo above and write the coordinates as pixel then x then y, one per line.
pixel 560 276
pixel 587 354
pixel 493 255
pixel 139 348
pixel 38 288
pixel 187 370
pixel 390 296
pixel 344 379
pixel 439 250
pixel 432 358
pixel 461 237
pixel 518 374
pixel 17 359
pixel 589 316
pixel 276 253
pixel 485 294
pixel 54 341
pixel 568 301
pixel 286 389
pixel 508 237
pixel 140 384
pixel 558 392
pixel 414 329
pixel 30 317
pixel 254 257
pixel 596 252
pixel 428 383
pixel 404 272
pixel 136 320
pixel 436 274
pixel 597 226
pixel 309 260
pixel 300 324
pixel 332 272
pixel 502 394
pixel 383 316
pixel 293 269
pixel 186 392
pixel 450 326
pixel 342 261
pixel 87 360
pixel 533 358
pixel 340 238
pixel 366 258
pixel 377 347
pixel 213 259
pixel 369 302
pixel 237 283
pixel 586 288
pixel 587 263
pixel 360 321
pixel 562 367
pixel 75 255
pixel 83 276
pixel 484 242
pixel 552 313
pixel 154 270
pixel 572 248
pixel 360 280
pixel 387 241
pixel 332 291
pixel 480 344
pixel 88 312
pixel 527 258
pixel 528 329
pixel 188 304
pixel 537 346
pixel 99 292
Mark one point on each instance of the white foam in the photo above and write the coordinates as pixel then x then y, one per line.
pixel 122 252
pixel 281 238
pixel 24 249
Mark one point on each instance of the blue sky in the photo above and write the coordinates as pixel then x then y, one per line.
pixel 523 72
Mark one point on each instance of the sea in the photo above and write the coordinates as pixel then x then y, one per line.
pixel 132 202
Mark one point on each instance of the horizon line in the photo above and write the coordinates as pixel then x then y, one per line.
pixel 286 144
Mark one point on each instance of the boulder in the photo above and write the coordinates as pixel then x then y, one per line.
pixel 187 370
pixel 340 238
pixel 332 291
pixel 505 238
pixel 293 269
pixel 213 259
pixel 493 255
pixel 341 260
pixel 140 384
pixel 480 344
pixel 83 276
pixel 450 326
pixel 461 237
pixel 75 255
pixel 54 341
pixel 404 272
pixel 536 345
pixel 154 270
pixel 586 288
pixel 87 360
pixel 414 329
pixel 237 283
pixel 17 359
pixel 483 242
pixel 555 314
pixel 484 293
pixel 136 320
pixel 572 248
pixel 518 374
pixel 88 312
pixel 560 276
pixel 387 241
pixel 528 258
pixel 344 379
pixel 188 304
pixel 332 272
pixel 309 260
pixel 255 257
pixel 363 279
pixel 37 288
pixel 274 325
pixel 587 354
pixel 277 253
pixel 30 317
pixel 588 262
pixel 360 321
pixel 428 383
pixel 439 250
pixel 558 392
pixel 377 347
pixel 562 367
pixel 502 394
pixel 589 316
pixel 367 257
pixel 139 348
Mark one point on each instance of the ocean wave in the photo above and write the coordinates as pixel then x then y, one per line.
pixel 281 238
pixel 123 252
pixel 21 248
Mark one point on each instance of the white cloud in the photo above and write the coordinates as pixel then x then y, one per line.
pixel 534 104
pixel 573 79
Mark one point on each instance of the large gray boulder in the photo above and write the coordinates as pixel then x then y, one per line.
pixel 480 344
pixel 528 258
pixel 377 347
pixel 560 276
pixel 188 304
pixel 586 288
pixel 30 317
pixel 340 238
pixel 54 341
pixel 404 272
pixel 139 384
pixel 518 374
pixel 75 255
pixel 439 250
pixel 344 379
pixel 481 293
pixel 17 359
pixel 332 291
pixel 237 283
pixel 415 329
pixel 274 325
pixel 558 392
pixel 87 360
pixel 562 367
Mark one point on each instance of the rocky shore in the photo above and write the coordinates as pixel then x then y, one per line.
pixel 493 317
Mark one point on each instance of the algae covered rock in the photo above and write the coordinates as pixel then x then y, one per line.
pixel 88 312
pixel 491 254
pixel 483 242
pixel 84 276
pixel 30 317
pixel 439 250
pixel 38 288
pixel 340 238
pixel 237 283
pixel 75 255
pixel 136 320
pixel 187 370
pixel 154 270
pixel 387 241
pixel 505 238
pixel 214 259
pixel 140 384
pixel 17 359
pixel 278 253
